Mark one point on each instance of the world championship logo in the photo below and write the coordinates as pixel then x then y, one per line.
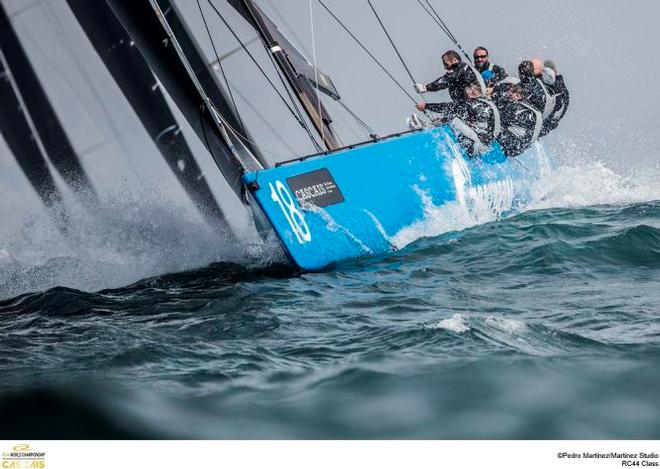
pixel 23 456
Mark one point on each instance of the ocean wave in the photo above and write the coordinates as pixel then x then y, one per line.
pixel 569 187
pixel 64 301
pixel 551 240
pixel 530 338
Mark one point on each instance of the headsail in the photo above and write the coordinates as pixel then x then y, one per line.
pixel 55 142
pixel 147 25
pixel 133 76
pixel 17 131
pixel 300 74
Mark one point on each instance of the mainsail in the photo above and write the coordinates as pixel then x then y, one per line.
pixel 133 76
pixel 50 132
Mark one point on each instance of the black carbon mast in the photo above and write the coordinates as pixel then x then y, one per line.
pixel 133 76
pixel 56 144
pixel 151 31
pixel 17 130
pixel 302 77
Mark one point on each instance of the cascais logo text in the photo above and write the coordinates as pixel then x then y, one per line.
pixel 23 456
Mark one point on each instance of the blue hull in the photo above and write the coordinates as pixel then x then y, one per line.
pixel 358 202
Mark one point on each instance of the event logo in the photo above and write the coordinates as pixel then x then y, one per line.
pixel 23 456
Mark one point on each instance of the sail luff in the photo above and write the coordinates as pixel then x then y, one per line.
pixel 134 78
pixel 56 143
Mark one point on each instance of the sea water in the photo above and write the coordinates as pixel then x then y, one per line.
pixel 540 325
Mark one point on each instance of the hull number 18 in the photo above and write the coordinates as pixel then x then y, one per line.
pixel 281 195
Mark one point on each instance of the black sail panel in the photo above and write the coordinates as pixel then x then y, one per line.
pixel 133 76
pixel 17 132
pixel 150 36
pixel 200 67
pixel 56 144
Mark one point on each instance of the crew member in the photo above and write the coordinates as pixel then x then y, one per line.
pixel 562 97
pixel 474 119
pixel 521 122
pixel 501 88
pixel 459 75
pixel 535 91
pixel 491 73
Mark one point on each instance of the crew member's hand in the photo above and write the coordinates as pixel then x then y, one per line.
pixel 421 106
pixel 420 88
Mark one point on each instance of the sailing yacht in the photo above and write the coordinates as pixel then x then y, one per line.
pixel 342 202
pixel 339 203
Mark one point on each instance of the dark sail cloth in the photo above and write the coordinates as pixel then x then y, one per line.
pixel 476 122
pixel 521 126
pixel 456 80
pixel 562 100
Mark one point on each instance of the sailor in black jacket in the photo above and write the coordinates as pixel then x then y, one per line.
pixel 474 119
pixel 491 73
pixel 535 91
pixel 459 75
pixel 562 97
pixel 521 122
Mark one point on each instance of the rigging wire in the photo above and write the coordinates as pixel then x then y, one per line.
pixel 403 62
pixel 294 108
pixel 244 139
pixel 364 125
pixel 314 54
pixel 222 69
pixel 298 117
pixel 316 68
pixel 443 26
pixel 268 125
pixel 301 118
pixel 364 48
pixel 348 124
pixel 436 19
pixel 291 32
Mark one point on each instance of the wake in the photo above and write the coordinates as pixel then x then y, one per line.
pixel 564 186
